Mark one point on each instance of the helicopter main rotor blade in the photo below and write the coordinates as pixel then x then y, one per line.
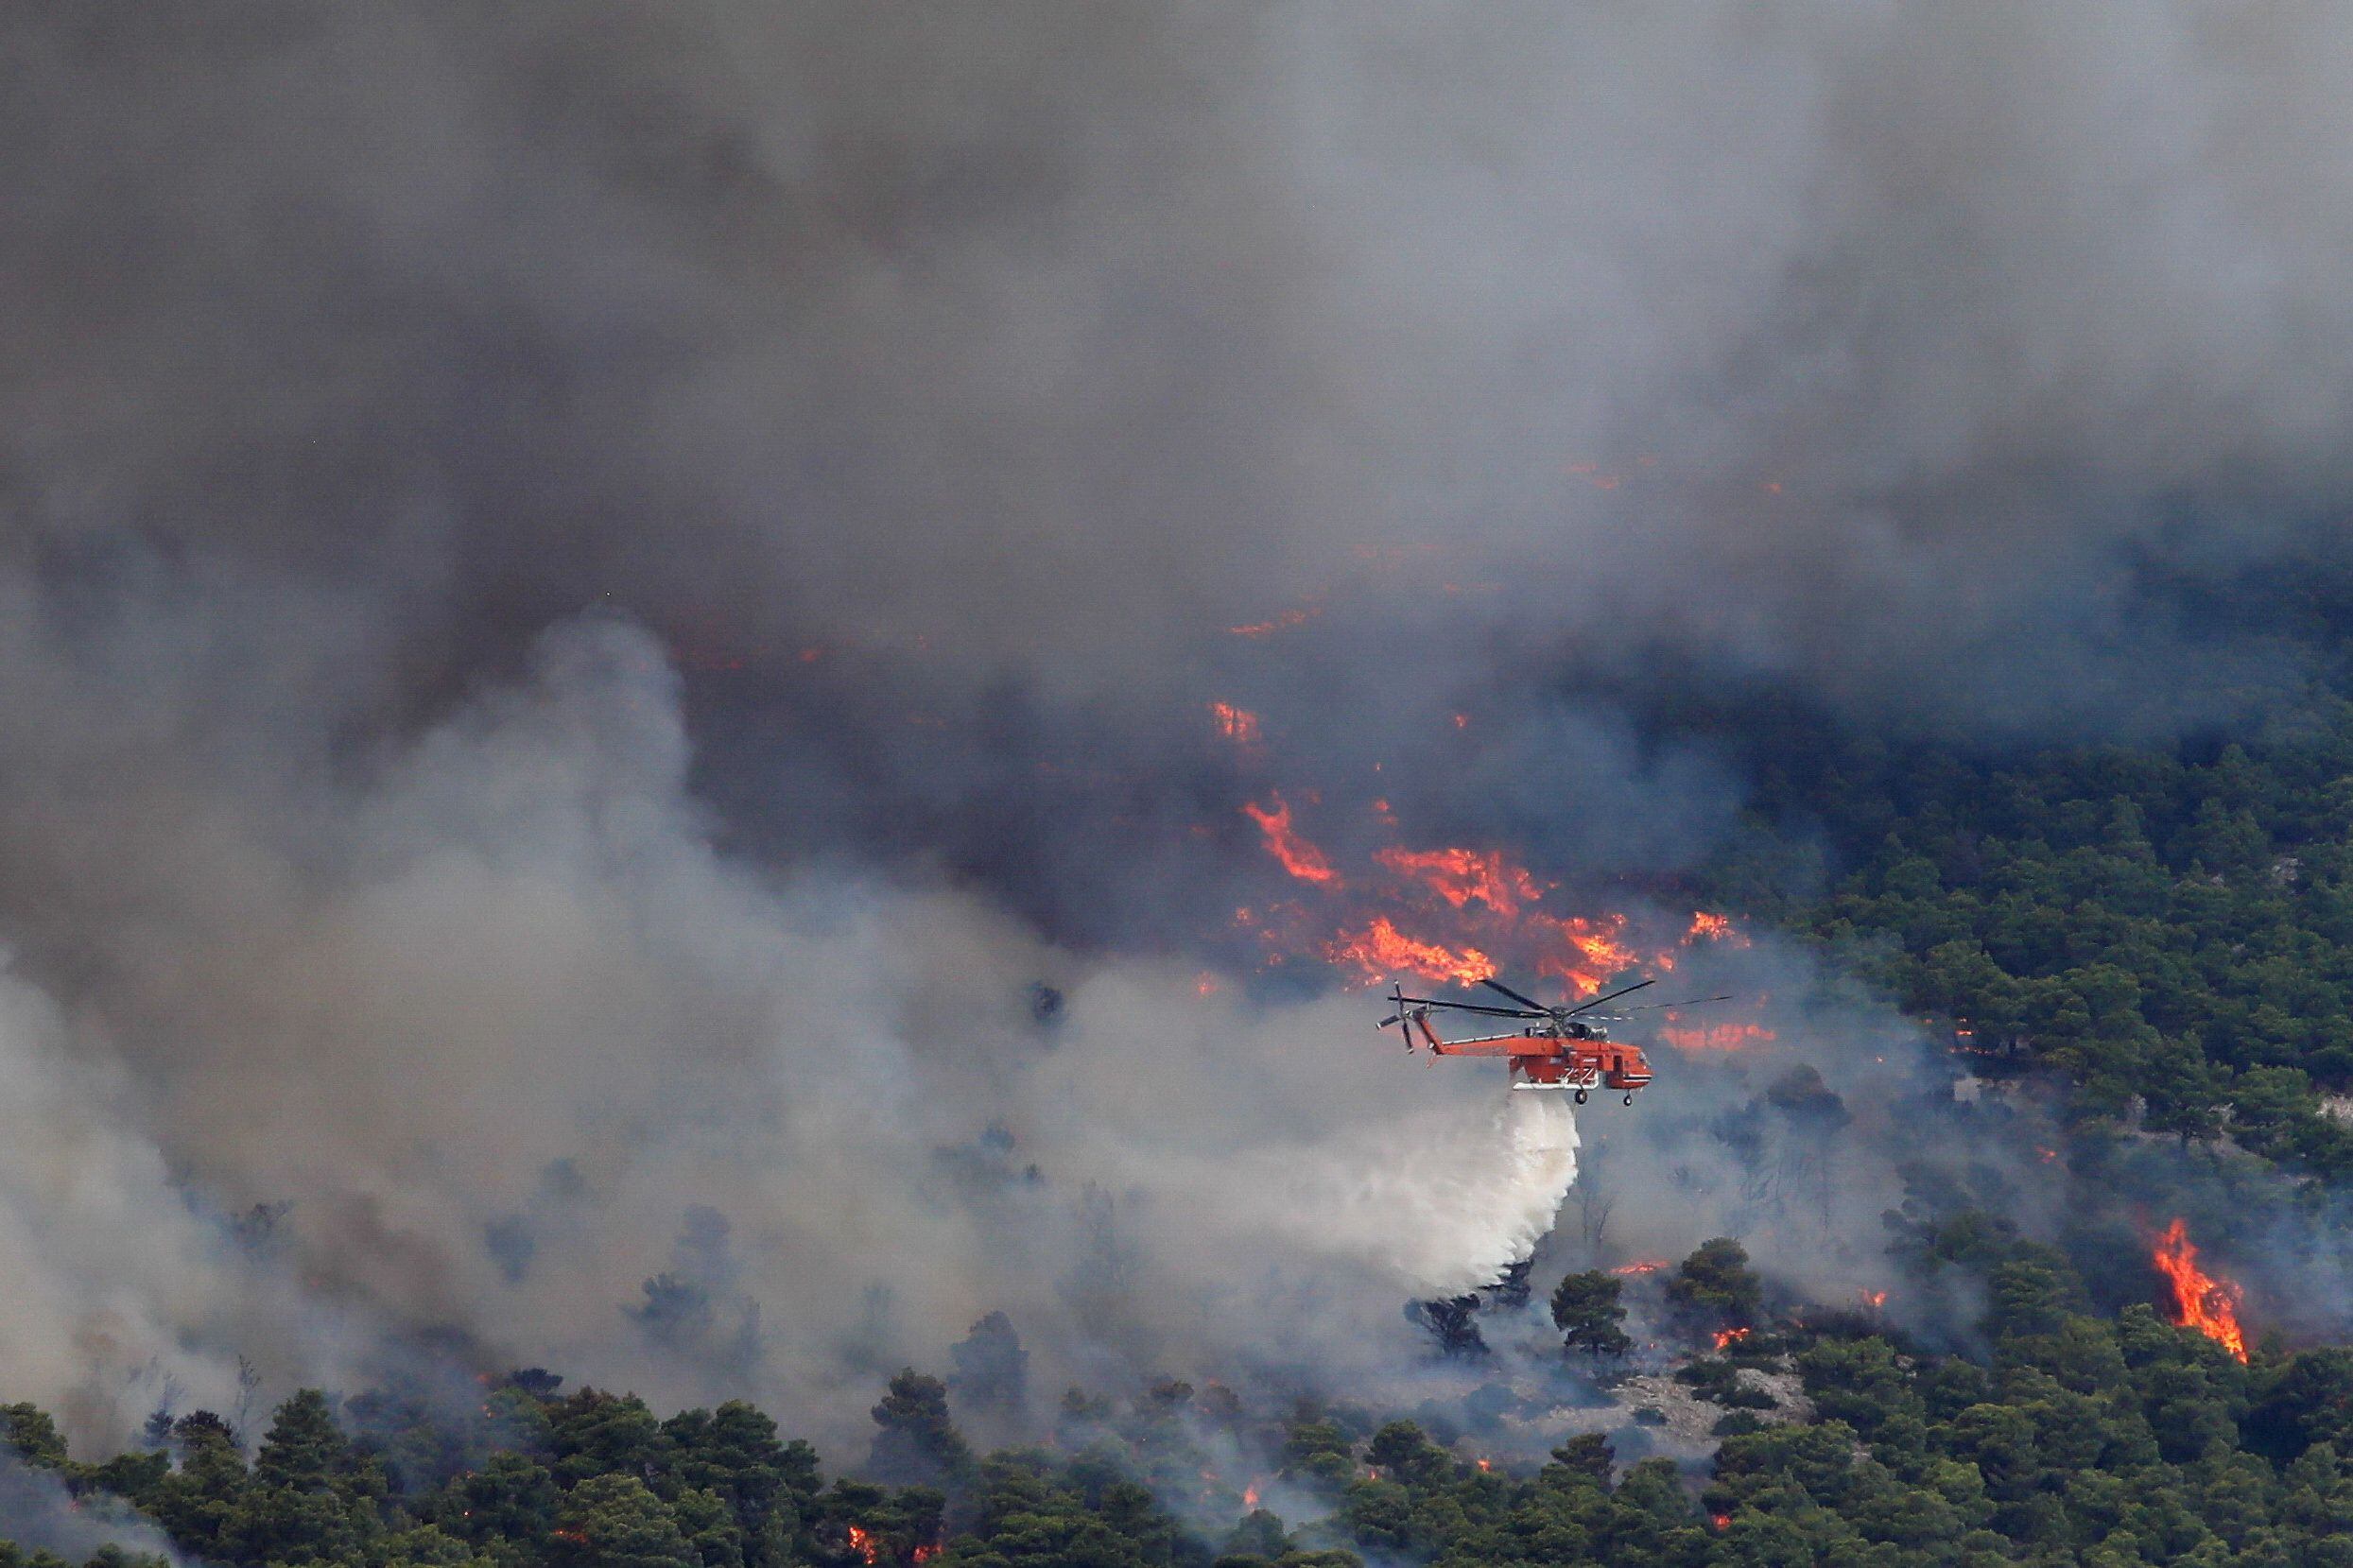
pixel 1473 1006
pixel 1423 1004
pixel 1609 996
pixel 1653 1007
pixel 1526 1002
pixel 1493 1012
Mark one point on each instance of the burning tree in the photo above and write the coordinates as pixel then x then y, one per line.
pixel 873 1525
pixel 2201 1301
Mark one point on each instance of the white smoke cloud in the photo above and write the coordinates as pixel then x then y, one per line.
pixel 110 1274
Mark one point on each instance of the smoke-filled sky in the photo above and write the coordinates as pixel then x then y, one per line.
pixel 590 596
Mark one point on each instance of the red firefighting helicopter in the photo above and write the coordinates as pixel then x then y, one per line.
pixel 1564 1047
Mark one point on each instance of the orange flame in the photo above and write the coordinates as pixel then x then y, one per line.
pixel 1457 915
pixel 1460 875
pixel 925 1554
pixel 1722 1521
pixel 1250 1496
pixel 1299 857
pixel 1239 725
pixel 1484 1466
pixel 1726 1338
pixel 1875 1299
pixel 1713 928
pixel 1380 950
pixel 1601 940
pixel 1646 1266
pixel 1589 951
pixel 2203 1303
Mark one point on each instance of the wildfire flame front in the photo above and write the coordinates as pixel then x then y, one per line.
pixel 2201 1301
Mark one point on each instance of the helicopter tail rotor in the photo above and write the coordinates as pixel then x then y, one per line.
pixel 1402 1018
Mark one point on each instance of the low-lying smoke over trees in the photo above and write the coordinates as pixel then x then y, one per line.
pixel 731 701
pixel 2138 1440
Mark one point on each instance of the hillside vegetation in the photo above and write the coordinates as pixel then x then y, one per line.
pixel 2170 931
pixel 2071 1439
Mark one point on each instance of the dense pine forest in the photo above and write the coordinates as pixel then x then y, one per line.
pixel 2169 931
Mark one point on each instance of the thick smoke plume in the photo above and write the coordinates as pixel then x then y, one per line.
pixel 513 1041
pixel 608 616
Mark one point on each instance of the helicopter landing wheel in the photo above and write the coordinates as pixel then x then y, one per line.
pixel 1630 1099
pixel 1580 1096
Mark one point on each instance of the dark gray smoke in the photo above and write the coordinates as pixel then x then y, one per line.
pixel 1060 341
pixel 591 597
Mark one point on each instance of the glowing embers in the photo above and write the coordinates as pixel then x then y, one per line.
pixel 868 1547
pixel 1286 621
pixel 1239 725
pixel 2201 1301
